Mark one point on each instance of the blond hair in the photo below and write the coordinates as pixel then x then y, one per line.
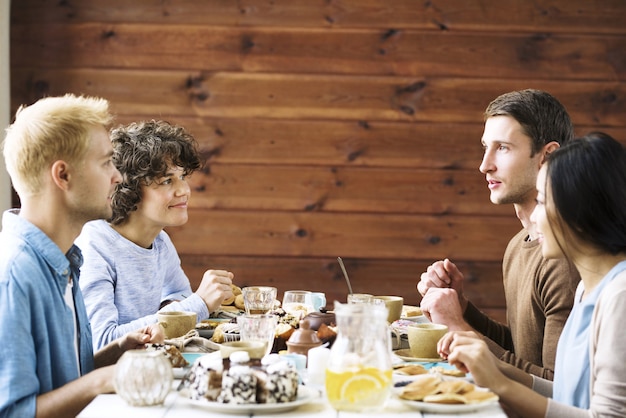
pixel 51 129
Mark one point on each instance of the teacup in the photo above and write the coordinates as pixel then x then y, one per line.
pixel 176 324
pixel 423 339
pixel 319 300
pixel 394 306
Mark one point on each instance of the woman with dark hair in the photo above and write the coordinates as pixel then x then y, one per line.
pixel 581 216
pixel 131 269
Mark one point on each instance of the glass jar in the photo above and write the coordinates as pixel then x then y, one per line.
pixel 358 376
pixel 143 378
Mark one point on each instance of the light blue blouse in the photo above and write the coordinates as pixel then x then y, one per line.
pixel 571 375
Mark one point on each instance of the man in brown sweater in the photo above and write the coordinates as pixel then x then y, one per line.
pixel 521 128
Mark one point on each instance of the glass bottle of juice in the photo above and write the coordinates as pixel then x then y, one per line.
pixel 358 376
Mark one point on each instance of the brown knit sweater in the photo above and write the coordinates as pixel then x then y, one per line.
pixel 539 296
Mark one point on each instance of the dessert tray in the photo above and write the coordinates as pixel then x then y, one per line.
pixel 305 395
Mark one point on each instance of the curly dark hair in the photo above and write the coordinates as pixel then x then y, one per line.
pixel 143 152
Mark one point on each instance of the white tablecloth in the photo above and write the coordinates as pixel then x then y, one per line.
pixel 107 406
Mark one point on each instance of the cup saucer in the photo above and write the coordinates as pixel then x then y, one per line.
pixel 405 354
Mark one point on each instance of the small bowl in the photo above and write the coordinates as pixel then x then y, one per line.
pixel 192 357
pixel 255 349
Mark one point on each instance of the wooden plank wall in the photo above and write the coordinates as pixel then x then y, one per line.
pixel 332 127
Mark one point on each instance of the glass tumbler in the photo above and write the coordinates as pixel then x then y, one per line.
pixel 258 299
pixel 143 378
pixel 253 327
pixel 298 303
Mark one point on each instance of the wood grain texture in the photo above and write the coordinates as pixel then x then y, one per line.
pixel 270 233
pixel 289 96
pixel 331 189
pixel 342 51
pixel 331 128
pixel 577 16
pixel 277 142
pixel 483 283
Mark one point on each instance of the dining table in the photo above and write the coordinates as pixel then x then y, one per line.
pixel 176 406
pixel 312 402
pixel 317 406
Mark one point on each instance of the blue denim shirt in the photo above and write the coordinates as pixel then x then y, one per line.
pixel 36 324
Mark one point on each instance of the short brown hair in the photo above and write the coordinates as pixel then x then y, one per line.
pixel 542 117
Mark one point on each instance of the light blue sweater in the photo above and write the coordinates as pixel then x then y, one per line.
pixel 123 284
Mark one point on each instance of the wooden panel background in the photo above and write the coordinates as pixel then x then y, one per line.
pixel 331 127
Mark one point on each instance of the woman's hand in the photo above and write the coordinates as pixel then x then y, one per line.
pixel 468 352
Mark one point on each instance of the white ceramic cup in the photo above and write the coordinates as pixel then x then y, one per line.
pixel 319 300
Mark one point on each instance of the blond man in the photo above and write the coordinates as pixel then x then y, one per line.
pixel 58 155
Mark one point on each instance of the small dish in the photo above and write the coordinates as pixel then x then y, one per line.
pixel 402 378
pixel 440 408
pixel 420 319
pixel 255 349
pixel 192 357
pixel 405 354
pixel 180 372
pixel 206 327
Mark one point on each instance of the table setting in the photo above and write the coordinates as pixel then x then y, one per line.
pixel 269 368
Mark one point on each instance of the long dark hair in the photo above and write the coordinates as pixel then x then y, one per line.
pixel 587 182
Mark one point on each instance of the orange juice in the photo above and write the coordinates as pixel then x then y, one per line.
pixel 357 389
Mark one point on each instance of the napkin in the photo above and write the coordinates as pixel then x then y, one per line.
pixel 192 342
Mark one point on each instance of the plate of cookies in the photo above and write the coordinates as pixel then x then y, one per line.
pixel 431 393
pixel 406 371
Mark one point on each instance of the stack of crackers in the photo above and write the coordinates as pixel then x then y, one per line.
pixel 235 303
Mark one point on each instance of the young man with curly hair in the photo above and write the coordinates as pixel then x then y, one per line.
pixel 131 269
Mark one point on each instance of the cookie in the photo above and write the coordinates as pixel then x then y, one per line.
pixel 239 302
pixel 424 385
pixel 411 370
